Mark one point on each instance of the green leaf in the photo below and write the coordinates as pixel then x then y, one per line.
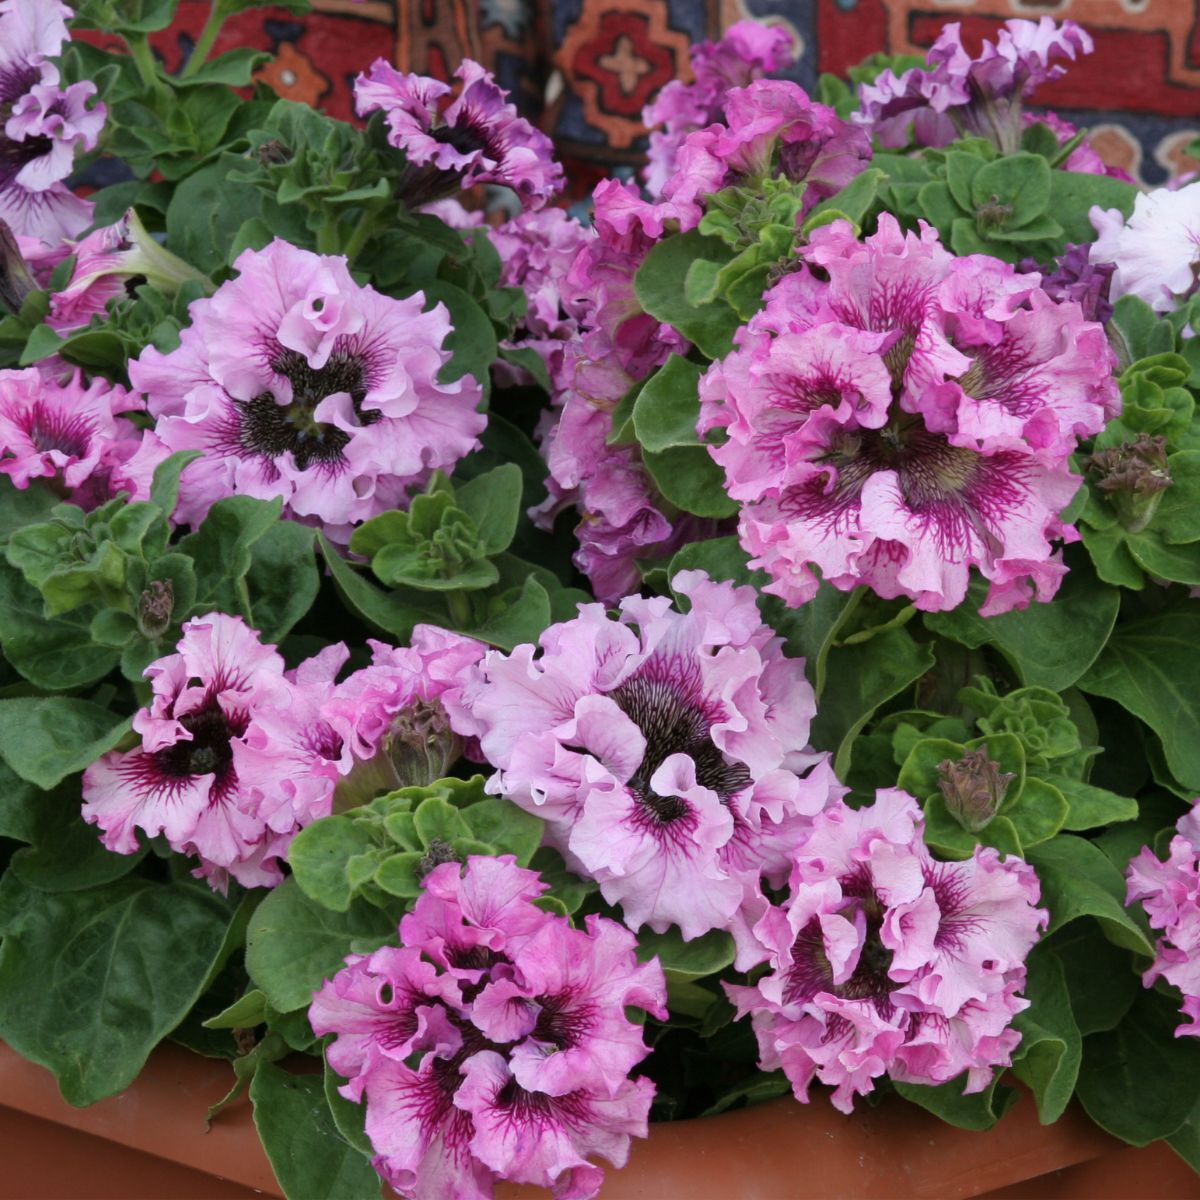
pixel 1077 881
pixel 1101 978
pixel 505 825
pixel 668 407
pixel 493 502
pixel 164 491
pixel 92 981
pixel 206 211
pixel 309 1156
pixel 1072 194
pixel 570 889
pixel 472 342
pixel 660 287
pixel 522 620
pixel 293 943
pixel 1148 667
pixel 859 678
pixel 386 613
pixel 221 549
pixel 318 856
pixel 979 1111
pixel 48 738
pixel 1051 1048
pixel 65 854
pixel 1038 813
pixel 689 479
pixel 18 806
pixel 720 558
pixel 1092 807
pixel 853 202
pixel 1138 1081
pixel 246 1012
pixel 282 580
pixel 1049 645
pixel 1185 1141
pixel 54 655
pixel 347 1116
pixel 705 955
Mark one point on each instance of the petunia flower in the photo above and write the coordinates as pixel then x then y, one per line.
pixel 885 962
pixel 666 751
pixel 297 383
pixel 476 138
pixel 495 1043
pixel 1169 892
pixel 1156 251
pixel 44 125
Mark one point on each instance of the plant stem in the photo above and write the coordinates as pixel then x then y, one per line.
pixel 204 43
pixel 143 59
pixel 360 236
pixel 460 609
pixel 328 239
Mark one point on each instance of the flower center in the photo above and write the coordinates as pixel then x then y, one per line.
pixel 811 973
pixel 674 723
pixel 560 1023
pixel 464 137
pixel 69 434
pixel 272 429
pixel 209 752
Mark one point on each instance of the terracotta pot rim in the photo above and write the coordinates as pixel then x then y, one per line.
pixel 894 1149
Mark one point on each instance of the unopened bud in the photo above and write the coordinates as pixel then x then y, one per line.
pixel 274 153
pixel 421 744
pixel 437 852
pixel 154 609
pixel 974 788
pixel 1135 475
pixel 15 280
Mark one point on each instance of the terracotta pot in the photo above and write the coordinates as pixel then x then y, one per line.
pixel 150 1143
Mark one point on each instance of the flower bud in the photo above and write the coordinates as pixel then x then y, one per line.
pixel 154 609
pixel 974 788
pixel 1135 475
pixel 15 280
pixel 421 745
pixel 274 153
pixel 437 852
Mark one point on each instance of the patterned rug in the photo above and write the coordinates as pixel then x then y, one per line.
pixel 584 68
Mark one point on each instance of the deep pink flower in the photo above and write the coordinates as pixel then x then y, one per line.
pixel 385 1006
pixel 959 94
pixel 69 431
pixel 1169 892
pixel 297 383
pixel 495 1044
pixel 405 690
pixel 884 961
pixel 771 127
pixel 477 138
pixel 664 751
pixel 531 1137
pixel 536 251
pixel 747 51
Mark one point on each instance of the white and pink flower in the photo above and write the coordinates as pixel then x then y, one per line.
pixel 1169 892
pixel 666 751
pixel 297 383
